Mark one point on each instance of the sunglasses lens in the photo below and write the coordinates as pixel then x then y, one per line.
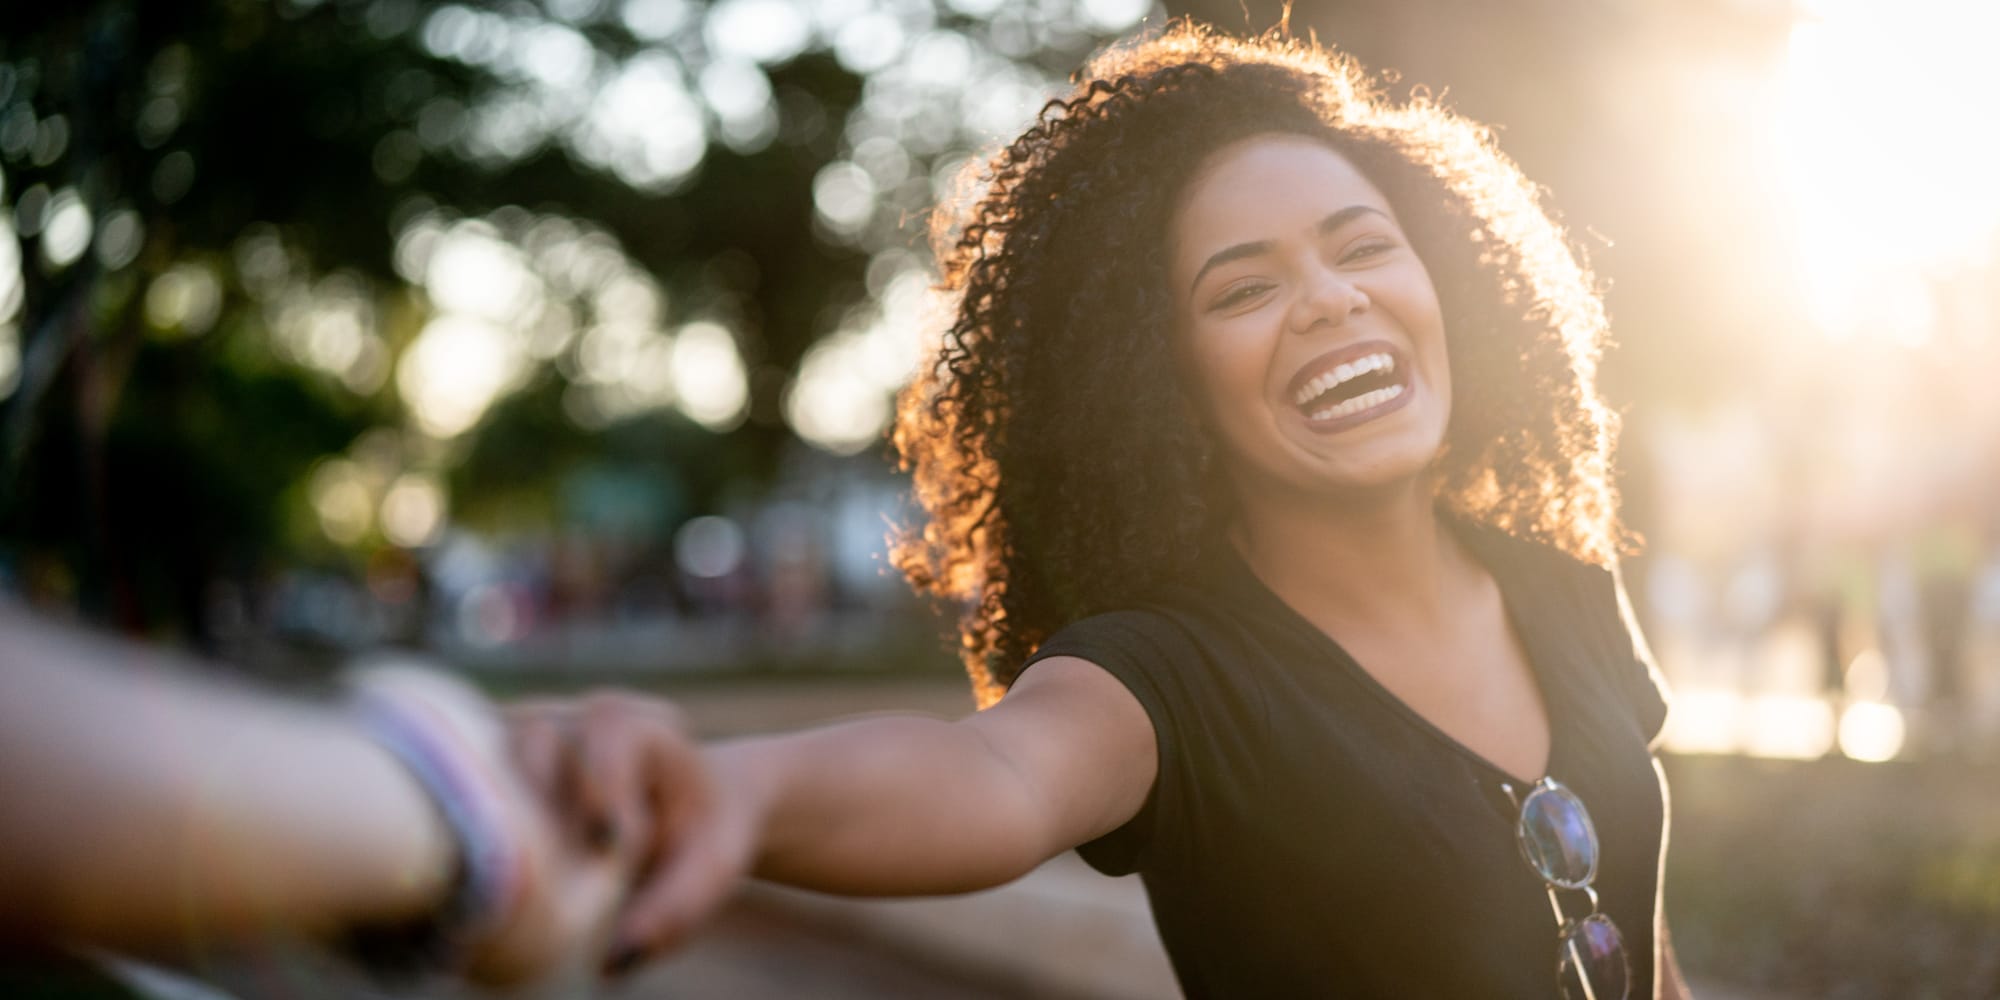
pixel 1592 965
pixel 1557 836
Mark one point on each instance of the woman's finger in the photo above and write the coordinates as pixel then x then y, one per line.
pixel 699 856
pixel 618 742
pixel 538 733
pixel 696 879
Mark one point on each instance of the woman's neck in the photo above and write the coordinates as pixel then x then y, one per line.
pixel 1386 558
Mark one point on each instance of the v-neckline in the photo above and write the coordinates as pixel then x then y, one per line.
pixel 1531 648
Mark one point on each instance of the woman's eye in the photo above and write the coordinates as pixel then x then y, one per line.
pixel 1372 248
pixel 1239 295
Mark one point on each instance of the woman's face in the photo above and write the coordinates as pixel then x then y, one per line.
pixel 1309 327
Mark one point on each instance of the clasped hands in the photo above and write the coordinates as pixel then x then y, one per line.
pixel 629 838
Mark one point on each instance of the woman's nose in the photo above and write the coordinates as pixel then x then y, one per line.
pixel 1328 297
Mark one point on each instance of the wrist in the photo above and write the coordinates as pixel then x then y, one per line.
pixel 750 780
pixel 426 870
pixel 448 743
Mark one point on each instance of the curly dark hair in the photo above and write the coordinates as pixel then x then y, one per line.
pixel 1050 499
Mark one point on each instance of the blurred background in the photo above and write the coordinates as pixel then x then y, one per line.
pixel 555 339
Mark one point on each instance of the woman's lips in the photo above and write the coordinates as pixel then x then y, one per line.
pixel 1353 385
pixel 1371 405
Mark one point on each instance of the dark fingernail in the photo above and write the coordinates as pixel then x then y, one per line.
pixel 621 960
pixel 601 834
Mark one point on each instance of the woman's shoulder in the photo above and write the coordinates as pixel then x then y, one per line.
pixel 1180 630
pixel 1589 602
pixel 1534 558
pixel 1144 623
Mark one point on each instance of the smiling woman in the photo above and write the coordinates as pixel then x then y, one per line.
pixel 1063 366
pixel 1263 458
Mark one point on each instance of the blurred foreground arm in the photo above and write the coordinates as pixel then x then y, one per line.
pixel 889 805
pixel 144 806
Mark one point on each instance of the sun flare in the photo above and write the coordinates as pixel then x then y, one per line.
pixel 1887 157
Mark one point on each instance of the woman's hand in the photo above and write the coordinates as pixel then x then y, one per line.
pixel 886 806
pixel 551 897
pixel 621 772
pixel 564 920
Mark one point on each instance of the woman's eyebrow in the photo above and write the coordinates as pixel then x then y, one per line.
pixel 1333 222
pixel 1326 227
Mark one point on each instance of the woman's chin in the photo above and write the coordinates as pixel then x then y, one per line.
pixel 1382 480
pixel 1389 463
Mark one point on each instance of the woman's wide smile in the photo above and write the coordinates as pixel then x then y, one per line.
pixel 1353 385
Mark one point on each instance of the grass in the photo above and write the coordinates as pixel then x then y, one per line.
pixel 1837 879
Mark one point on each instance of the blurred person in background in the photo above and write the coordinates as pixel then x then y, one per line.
pixel 155 810
pixel 1265 459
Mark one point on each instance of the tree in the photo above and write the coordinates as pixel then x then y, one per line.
pixel 279 261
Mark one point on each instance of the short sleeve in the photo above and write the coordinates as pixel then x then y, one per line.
pixel 1645 687
pixel 1141 651
pixel 1598 607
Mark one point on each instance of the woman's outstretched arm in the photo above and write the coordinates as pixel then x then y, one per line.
pixel 889 805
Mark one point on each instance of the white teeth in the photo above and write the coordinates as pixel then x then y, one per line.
pixel 1372 363
pixel 1365 401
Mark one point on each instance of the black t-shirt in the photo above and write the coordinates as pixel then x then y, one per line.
pixel 1310 834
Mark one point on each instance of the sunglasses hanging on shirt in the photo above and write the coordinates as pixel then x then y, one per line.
pixel 1559 842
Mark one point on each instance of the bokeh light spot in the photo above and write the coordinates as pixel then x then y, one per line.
pixel 765 31
pixel 489 616
pixel 120 239
pixel 1114 15
pixel 867 43
pixel 413 511
pixel 653 20
pixel 454 371
pixel 12 289
pixel 340 497
pixel 709 547
pixel 185 299
pixel 644 126
pixel 473 272
pixel 831 406
pixel 66 233
pixel 844 197
pixel 1705 721
pixel 173 176
pixel 10 359
pixel 708 376
pixel 1871 731
pixel 1793 727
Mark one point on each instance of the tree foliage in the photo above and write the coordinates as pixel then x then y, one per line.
pixel 229 218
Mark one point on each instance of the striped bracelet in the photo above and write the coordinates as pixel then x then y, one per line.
pixel 442 734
